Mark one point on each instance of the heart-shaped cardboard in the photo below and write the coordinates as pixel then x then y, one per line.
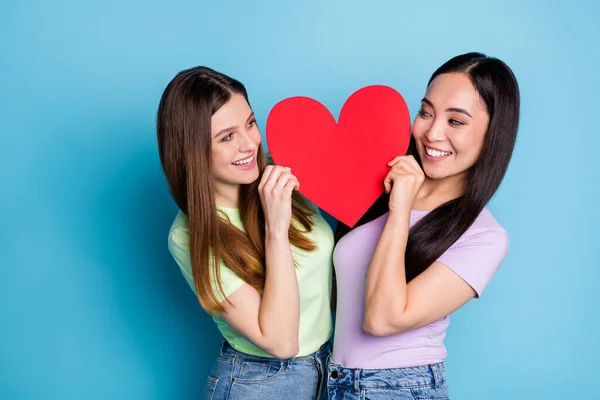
pixel 340 166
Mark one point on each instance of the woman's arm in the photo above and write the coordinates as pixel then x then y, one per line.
pixel 271 321
pixel 391 305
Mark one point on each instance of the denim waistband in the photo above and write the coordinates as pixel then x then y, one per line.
pixel 228 351
pixel 432 375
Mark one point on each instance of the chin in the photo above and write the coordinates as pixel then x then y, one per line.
pixel 433 176
pixel 250 176
pixel 432 173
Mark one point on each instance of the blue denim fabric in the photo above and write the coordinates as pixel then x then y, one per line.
pixel 415 383
pixel 241 376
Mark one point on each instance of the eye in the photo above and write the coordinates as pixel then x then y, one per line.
pixel 227 137
pixel 424 114
pixel 251 123
pixel 454 122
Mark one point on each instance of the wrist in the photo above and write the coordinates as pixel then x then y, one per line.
pixel 276 234
pixel 400 212
pixel 399 218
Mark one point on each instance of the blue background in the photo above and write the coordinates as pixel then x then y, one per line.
pixel 91 304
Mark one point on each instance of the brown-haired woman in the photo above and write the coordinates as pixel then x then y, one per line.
pixel 257 255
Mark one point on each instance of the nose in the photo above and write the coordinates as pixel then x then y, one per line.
pixel 247 143
pixel 435 133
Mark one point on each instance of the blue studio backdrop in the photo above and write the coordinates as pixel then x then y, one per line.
pixel 91 304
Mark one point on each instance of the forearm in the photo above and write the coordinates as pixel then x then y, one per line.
pixel 386 288
pixel 279 313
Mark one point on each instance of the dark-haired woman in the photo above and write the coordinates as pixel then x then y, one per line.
pixel 429 244
pixel 257 255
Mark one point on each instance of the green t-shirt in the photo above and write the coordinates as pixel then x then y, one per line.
pixel 314 283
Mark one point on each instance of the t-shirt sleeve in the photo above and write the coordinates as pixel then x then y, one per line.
pixel 476 256
pixel 179 245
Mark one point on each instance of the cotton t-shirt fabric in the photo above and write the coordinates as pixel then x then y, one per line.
pixel 313 270
pixel 475 257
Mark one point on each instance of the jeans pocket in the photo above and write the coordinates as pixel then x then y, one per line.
pixel 255 371
pixel 430 393
pixel 211 385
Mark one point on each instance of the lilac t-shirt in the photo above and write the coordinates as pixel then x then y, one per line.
pixel 475 257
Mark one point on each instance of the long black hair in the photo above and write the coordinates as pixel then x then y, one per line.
pixel 429 238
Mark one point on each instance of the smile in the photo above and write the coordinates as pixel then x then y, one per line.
pixel 245 161
pixel 436 153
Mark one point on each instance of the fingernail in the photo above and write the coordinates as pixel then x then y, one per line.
pixel 288 168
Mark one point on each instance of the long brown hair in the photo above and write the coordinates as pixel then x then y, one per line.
pixel 184 144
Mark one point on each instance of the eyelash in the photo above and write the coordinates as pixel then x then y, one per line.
pixel 227 137
pixel 452 122
pixel 422 113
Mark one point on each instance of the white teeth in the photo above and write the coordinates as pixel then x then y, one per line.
pixel 244 162
pixel 437 153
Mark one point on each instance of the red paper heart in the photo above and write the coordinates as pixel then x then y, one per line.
pixel 340 166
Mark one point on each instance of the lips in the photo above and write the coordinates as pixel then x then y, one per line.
pixel 244 161
pixel 245 164
pixel 436 153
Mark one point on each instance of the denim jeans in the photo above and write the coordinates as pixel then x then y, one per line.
pixel 241 376
pixel 414 383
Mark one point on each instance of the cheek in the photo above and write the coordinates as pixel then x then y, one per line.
pixel 256 137
pixel 477 143
pixel 421 127
pixel 220 155
pixel 418 128
pixel 469 146
pixel 472 141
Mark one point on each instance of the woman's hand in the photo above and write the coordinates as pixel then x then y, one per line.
pixel 403 182
pixel 275 190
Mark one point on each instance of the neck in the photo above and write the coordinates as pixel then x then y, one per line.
pixel 435 192
pixel 227 195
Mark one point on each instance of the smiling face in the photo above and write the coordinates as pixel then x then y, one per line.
pixel 450 128
pixel 235 142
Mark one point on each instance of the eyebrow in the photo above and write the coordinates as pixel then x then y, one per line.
pixel 451 109
pixel 224 130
